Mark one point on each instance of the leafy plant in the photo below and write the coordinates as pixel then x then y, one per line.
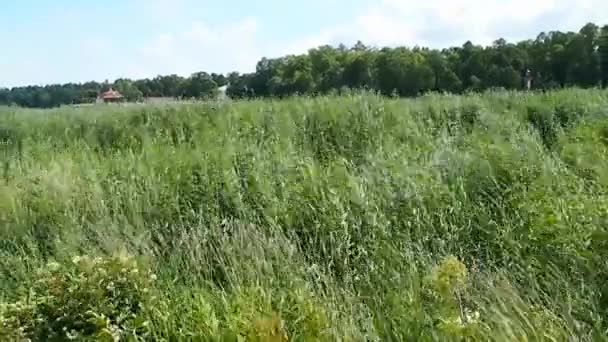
pixel 90 299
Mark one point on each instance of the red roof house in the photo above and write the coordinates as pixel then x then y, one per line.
pixel 111 96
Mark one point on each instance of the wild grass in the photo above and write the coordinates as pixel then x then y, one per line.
pixel 352 218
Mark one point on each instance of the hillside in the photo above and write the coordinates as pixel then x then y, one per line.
pixel 353 217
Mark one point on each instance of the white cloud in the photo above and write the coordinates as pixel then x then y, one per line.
pixel 441 23
pixel 435 23
pixel 225 48
pixel 302 46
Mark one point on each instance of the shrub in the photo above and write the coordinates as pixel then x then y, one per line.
pixel 445 289
pixel 90 299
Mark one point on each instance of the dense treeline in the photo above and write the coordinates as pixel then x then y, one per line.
pixel 198 85
pixel 555 59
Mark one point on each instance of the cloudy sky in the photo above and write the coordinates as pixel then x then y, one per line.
pixel 51 41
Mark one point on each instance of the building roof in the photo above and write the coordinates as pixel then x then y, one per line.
pixel 111 94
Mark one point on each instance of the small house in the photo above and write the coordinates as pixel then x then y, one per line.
pixel 110 96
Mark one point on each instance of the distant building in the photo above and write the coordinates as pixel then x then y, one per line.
pixel 528 78
pixel 222 92
pixel 110 96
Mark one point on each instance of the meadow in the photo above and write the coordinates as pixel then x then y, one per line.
pixel 479 217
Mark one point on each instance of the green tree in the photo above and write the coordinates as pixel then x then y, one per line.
pixel 444 77
pixel 170 86
pixel 239 85
pixel 219 79
pixel 471 65
pixel 266 70
pixel 5 96
pixel 296 75
pixel 404 71
pixel 583 56
pixel 199 85
pixel 327 68
pixel 359 69
pixel 128 89
pixel 603 55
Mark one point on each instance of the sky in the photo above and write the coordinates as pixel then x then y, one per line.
pixel 58 41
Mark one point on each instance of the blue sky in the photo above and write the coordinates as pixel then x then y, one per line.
pixel 56 41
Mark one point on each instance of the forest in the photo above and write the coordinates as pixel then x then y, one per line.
pixel 555 60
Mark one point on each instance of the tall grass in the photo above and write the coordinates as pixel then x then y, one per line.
pixel 354 218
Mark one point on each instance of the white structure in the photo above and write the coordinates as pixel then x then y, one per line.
pixel 221 92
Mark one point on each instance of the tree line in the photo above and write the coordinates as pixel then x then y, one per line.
pixel 554 59
pixel 197 85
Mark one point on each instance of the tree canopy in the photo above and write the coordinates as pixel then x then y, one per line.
pixel 555 59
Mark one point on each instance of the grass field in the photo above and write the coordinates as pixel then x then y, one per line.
pixel 353 218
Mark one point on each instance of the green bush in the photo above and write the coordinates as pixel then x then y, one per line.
pixel 446 287
pixel 90 299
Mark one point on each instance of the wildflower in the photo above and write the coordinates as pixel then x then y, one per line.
pixel 472 316
pixel 448 276
pixel 53 266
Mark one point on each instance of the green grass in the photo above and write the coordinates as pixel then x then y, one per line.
pixel 359 218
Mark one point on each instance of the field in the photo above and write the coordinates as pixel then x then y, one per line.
pixel 353 218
